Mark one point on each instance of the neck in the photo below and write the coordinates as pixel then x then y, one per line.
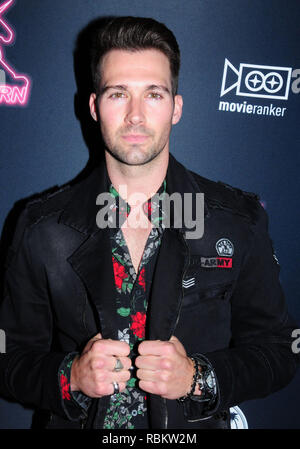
pixel 145 179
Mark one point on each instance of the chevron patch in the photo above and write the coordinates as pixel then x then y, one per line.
pixel 188 283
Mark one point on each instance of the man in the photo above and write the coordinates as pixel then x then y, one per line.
pixel 135 325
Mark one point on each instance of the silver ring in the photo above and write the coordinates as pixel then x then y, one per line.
pixel 116 387
pixel 118 366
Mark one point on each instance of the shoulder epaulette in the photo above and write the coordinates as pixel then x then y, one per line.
pixel 47 202
pixel 37 206
pixel 220 195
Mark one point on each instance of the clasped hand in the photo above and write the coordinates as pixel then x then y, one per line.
pixel 163 368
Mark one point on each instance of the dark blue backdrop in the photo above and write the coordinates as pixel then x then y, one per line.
pixel 42 145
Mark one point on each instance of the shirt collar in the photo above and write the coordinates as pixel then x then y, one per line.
pixel 149 207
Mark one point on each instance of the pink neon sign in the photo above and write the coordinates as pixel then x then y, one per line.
pixel 17 91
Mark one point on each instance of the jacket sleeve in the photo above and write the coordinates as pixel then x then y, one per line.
pixel 260 359
pixel 29 368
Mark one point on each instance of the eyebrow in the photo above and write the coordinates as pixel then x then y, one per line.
pixel 124 87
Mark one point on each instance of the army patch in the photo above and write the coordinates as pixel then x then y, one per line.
pixel 216 262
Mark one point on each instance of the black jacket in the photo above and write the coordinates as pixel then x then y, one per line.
pixel 59 292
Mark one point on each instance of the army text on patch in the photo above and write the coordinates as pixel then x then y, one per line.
pixel 216 262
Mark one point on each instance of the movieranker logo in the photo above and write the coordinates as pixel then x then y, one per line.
pixel 257 81
pixel 260 81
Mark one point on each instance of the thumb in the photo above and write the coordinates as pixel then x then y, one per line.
pixel 178 345
pixel 173 339
pixel 97 337
pixel 91 342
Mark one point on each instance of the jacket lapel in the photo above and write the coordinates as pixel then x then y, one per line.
pixel 92 262
pixel 165 301
pixel 166 295
pixel 92 259
pixel 173 259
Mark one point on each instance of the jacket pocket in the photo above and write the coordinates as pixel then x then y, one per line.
pixel 198 296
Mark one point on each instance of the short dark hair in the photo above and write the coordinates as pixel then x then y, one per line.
pixel 133 34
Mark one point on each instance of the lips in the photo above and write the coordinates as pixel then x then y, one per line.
pixel 135 138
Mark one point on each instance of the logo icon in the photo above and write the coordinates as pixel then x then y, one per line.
pixel 260 81
pixel 224 248
pixel 14 87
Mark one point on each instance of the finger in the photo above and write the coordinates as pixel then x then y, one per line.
pixel 107 389
pixel 125 361
pixel 148 386
pixel 103 377
pixel 155 347
pixel 108 362
pixel 151 362
pixel 111 347
pixel 122 376
pixel 121 385
pixel 159 376
pixel 147 375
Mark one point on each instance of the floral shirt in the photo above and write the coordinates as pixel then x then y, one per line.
pixel 127 410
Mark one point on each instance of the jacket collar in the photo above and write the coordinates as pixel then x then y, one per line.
pixel 81 211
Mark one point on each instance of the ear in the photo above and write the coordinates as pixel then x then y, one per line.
pixel 93 106
pixel 178 104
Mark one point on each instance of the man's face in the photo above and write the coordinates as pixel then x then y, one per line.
pixel 135 106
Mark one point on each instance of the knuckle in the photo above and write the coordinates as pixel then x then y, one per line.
pixel 123 376
pixel 127 375
pixel 97 363
pixel 127 362
pixel 138 361
pixel 141 347
pixel 93 365
pixel 97 346
pixel 165 364
pixel 126 348
pixel 162 389
pixel 100 376
pixel 122 386
pixel 101 389
pixel 165 376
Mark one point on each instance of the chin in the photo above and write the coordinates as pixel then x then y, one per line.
pixel 134 157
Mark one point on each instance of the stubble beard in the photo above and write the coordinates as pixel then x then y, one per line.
pixel 136 154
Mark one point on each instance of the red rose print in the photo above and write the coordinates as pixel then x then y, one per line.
pixel 65 387
pixel 138 324
pixel 141 279
pixel 119 272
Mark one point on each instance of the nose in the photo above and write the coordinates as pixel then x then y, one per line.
pixel 135 112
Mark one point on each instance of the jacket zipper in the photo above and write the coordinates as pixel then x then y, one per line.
pixel 178 315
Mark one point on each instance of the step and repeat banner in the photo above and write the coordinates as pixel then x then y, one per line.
pixel 240 82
